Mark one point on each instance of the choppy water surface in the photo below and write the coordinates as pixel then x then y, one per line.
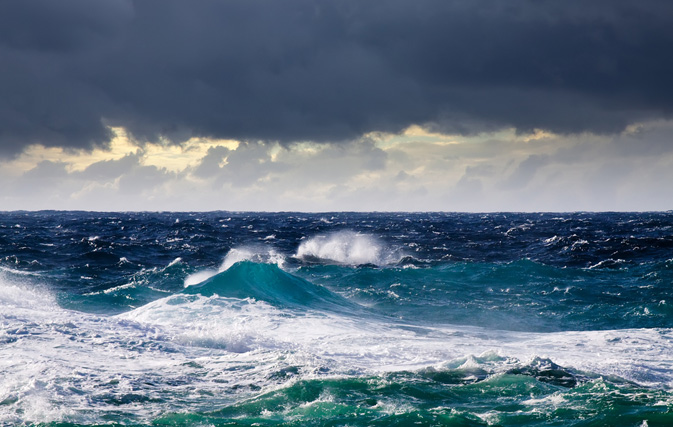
pixel 171 319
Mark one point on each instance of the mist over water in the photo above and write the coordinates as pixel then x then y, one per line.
pixel 336 319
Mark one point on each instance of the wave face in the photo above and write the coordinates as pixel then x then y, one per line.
pixel 268 283
pixel 336 319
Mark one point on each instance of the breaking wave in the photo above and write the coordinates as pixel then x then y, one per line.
pixel 347 247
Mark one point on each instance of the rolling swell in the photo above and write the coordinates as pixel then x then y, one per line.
pixel 521 295
pixel 268 283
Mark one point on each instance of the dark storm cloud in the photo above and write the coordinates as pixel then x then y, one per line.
pixel 327 71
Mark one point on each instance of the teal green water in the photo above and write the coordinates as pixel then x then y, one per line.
pixel 450 398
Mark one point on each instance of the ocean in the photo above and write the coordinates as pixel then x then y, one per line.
pixel 336 319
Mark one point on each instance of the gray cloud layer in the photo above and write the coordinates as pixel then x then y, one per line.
pixel 631 171
pixel 327 71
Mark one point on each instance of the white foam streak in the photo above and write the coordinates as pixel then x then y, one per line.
pixel 13 271
pixel 177 260
pixel 199 276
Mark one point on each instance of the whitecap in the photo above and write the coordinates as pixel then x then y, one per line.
pixel 199 276
pixel 175 261
pixel 347 247
pixel 257 254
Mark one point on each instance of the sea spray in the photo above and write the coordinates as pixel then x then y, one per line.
pixel 346 247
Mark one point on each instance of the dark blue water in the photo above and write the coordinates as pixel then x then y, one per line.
pixel 336 319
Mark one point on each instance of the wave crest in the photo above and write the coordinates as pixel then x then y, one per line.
pixel 234 256
pixel 257 255
pixel 268 283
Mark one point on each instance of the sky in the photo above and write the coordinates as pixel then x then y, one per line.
pixel 349 105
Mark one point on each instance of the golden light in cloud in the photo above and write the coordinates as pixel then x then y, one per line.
pixel 416 130
pixel 177 158
pixel 538 134
pixel 172 157
pixel 75 160
pixel 413 133
pixel 417 133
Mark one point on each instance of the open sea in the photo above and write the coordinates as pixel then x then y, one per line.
pixel 336 319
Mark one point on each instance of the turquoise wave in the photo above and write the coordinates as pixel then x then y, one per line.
pixel 268 283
